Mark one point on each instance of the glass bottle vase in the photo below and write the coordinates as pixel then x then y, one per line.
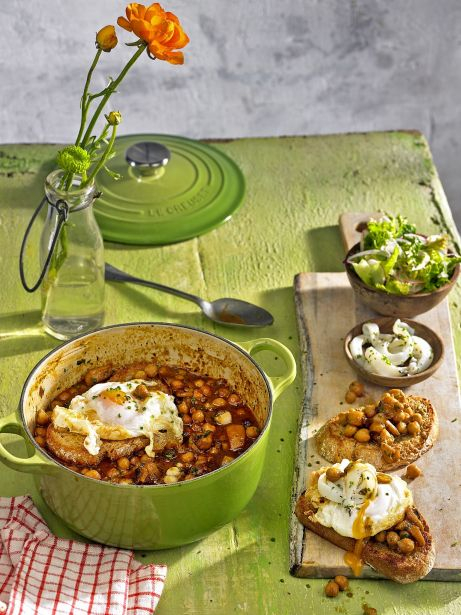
pixel 73 287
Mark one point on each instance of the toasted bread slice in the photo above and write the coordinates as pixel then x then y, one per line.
pixel 69 447
pixel 334 445
pixel 392 564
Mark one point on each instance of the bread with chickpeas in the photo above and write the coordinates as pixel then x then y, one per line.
pixel 69 447
pixel 371 515
pixel 391 563
pixel 390 434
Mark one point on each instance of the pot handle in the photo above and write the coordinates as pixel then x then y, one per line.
pixel 34 464
pixel 278 383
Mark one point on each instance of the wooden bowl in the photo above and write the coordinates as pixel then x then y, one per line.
pixel 385 326
pixel 400 306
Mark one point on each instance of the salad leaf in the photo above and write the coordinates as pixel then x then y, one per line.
pixel 398 260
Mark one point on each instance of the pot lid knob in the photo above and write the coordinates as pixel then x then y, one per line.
pixel 148 158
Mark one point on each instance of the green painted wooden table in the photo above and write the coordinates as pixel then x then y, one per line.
pixel 296 188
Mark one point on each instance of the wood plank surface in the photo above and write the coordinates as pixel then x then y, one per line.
pixel 327 311
pixel 296 188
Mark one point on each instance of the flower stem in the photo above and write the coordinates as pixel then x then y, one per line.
pixel 85 99
pixel 102 160
pixel 109 90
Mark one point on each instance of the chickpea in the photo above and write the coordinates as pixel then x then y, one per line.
pixel 140 375
pixel 43 418
pixel 342 582
pixel 251 431
pixel 141 392
pixel 183 407
pixel 417 417
pixel 399 416
pixel 331 589
pixel 198 416
pixel 174 471
pixel 40 440
pixel 176 384
pixel 383 479
pixel 376 427
pixel 412 471
pixel 208 427
pixel 112 473
pixel 223 392
pixel 219 402
pixel 40 431
pixel 206 390
pixel 223 418
pixel 91 474
pixel 186 419
pixel 187 457
pixel 65 396
pixel 197 393
pixel 333 474
pixel 355 417
pixel 125 481
pixel 406 545
pixel 205 443
pixel 123 463
pixel 145 458
pixel 357 388
pixel 381 536
pixel 151 370
pixel 402 427
pixel 233 399
pixel 342 418
pixel 370 411
pixel 414 428
pixel 362 435
pixel 350 397
pixel 199 383
pixel 349 431
pixel 392 539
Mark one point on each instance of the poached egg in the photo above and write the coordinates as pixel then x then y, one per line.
pixel 110 411
pixel 358 504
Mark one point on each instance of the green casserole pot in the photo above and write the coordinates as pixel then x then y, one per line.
pixel 148 516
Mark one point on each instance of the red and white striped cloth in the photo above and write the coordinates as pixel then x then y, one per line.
pixel 41 574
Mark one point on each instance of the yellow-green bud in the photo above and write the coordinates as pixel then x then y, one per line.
pixel 114 118
pixel 73 159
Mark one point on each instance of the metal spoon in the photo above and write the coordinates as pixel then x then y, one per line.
pixel 225 311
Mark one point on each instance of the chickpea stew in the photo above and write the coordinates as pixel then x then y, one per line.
pixel 217 427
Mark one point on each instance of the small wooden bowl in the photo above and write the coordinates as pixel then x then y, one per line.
pixel 400 306
pixel 385 326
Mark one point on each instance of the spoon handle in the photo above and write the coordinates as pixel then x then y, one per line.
pixel 115 275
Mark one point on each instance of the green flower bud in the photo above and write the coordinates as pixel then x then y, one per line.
pixel 73 159
pixel 114 118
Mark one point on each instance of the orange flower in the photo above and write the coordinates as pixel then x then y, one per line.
pixel 106 39
pixel 160 29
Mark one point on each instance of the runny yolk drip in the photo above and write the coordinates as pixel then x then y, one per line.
pixel 358 527
pixel 353 559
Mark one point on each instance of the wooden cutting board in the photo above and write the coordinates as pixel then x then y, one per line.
pixel 326 311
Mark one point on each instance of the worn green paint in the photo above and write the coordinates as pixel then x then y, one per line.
pixel 296 188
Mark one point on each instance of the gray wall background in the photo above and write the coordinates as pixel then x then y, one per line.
pixel 253 68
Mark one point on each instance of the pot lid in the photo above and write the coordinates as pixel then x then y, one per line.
pixel 171 189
